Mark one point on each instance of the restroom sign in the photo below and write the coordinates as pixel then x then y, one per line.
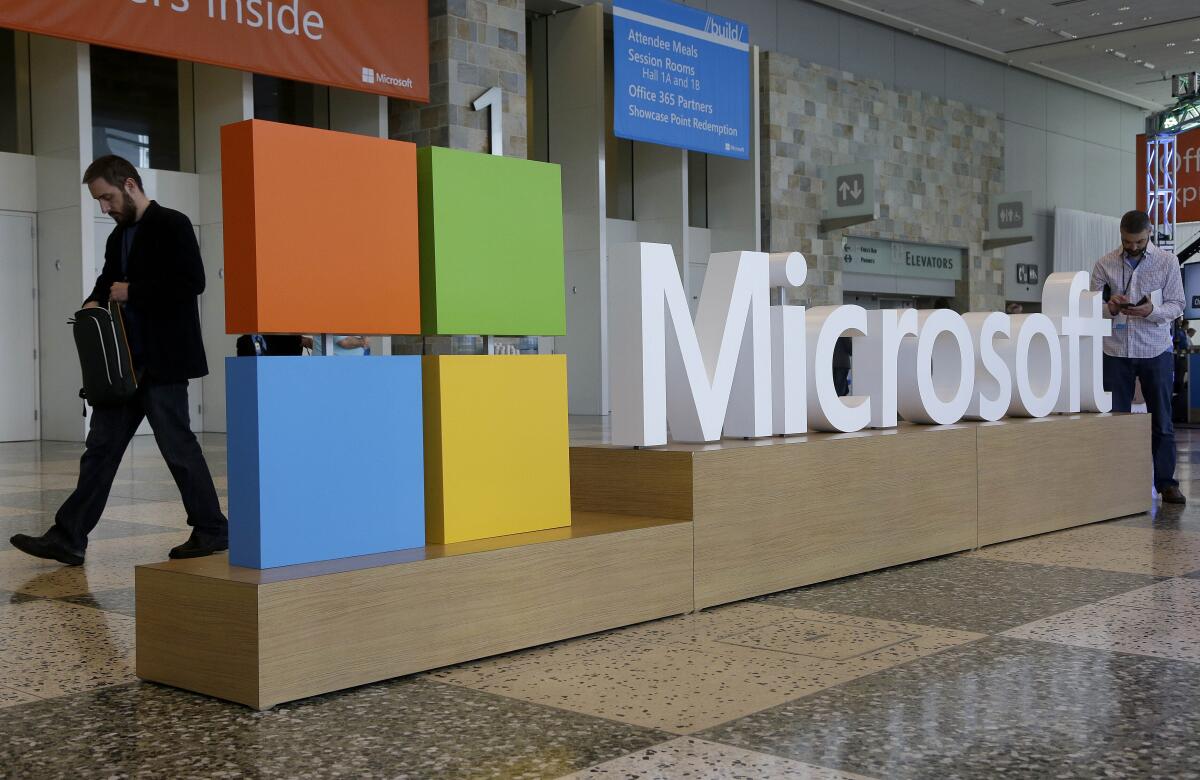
pixel 1011 216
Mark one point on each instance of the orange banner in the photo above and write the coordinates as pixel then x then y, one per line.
pixel 1187 175
pixel 378 46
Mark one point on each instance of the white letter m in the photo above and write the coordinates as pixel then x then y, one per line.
pixel 704 377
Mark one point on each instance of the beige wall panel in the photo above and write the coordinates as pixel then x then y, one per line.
pixel 773 518
pixel 1056 472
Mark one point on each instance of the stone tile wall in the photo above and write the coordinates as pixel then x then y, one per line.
pixel 936 161
pixel 473 45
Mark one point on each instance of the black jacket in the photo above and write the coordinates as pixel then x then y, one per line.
pixel 165 276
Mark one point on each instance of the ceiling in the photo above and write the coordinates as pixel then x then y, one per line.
pixel 1077 41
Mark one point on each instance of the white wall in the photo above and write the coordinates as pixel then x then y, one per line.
pixel 18 182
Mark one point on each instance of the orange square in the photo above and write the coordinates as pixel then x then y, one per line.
pixel 320 231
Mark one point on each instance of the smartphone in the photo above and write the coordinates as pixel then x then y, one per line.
pixel 1133 305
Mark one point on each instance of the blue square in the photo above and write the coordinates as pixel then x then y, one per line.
pixel 325 458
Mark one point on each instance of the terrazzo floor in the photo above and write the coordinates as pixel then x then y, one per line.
pixel 1069 655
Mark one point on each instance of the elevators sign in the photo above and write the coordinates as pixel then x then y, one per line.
pixel 850 191
pixel 898 258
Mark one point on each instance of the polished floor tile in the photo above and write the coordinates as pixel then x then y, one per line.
pixel 47 500
pixel 961 592
pixel 157 490
pixel 689 673
pixel 1162 620
pixel 47 466
pixel 400 729
pixel 1169 517
pixel 1105 547
pixel 121 601
pixel 1174 596
pixel 36 525
pixel 39 482
pixel 688 757
pixel 8 597
pixel 995 708
pixel 109 565
pixel 10 697
pixel 49 648
pixel 169 514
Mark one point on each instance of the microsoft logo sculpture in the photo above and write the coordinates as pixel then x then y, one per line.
pixel 335 457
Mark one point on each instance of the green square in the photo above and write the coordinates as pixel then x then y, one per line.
pixel 491 245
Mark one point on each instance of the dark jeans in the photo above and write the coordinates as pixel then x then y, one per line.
pixel 1157 377
pixel 841 381
pixel 166 406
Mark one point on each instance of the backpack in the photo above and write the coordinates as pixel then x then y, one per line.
pixel 104 356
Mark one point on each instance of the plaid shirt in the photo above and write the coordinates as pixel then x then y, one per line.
pixel 1158 272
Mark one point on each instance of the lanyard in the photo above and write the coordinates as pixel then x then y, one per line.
pixel 1132 270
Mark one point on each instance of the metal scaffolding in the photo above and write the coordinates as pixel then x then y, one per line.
pixel 1160 188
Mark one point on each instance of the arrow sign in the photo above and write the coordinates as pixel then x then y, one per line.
pixel 849 195
pixel 850 190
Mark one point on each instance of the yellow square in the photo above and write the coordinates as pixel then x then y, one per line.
pixel 496 446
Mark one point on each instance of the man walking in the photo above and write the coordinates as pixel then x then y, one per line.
pixel 1145 295
pixel 152 268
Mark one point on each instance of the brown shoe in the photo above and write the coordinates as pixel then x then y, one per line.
pixel 1172 495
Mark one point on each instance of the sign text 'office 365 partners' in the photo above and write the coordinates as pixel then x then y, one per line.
pixel 379 46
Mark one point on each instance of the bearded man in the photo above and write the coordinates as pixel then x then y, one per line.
pixel 153 270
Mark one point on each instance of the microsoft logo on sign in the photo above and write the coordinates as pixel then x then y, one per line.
pixel 368 75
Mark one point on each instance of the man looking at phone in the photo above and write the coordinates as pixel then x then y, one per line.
pixel 1144 290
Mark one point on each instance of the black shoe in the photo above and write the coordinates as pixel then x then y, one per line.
pixel 43 547
pixel 198 545
pixel 1172 495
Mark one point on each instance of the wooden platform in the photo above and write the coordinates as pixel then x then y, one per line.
pixel 262 637
pixel 657 532
pixel 773 514
pixel 1057 472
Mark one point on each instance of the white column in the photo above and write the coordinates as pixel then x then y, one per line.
pixel 61 109
pixel 576 142
pixel 660 199
pixel 222 96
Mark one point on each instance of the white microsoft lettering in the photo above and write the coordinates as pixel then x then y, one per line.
pixel 749 369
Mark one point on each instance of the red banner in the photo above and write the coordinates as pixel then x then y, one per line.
pixel 1187 175
pixel 378 46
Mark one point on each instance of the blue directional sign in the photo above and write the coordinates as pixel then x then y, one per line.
pixel 681 77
